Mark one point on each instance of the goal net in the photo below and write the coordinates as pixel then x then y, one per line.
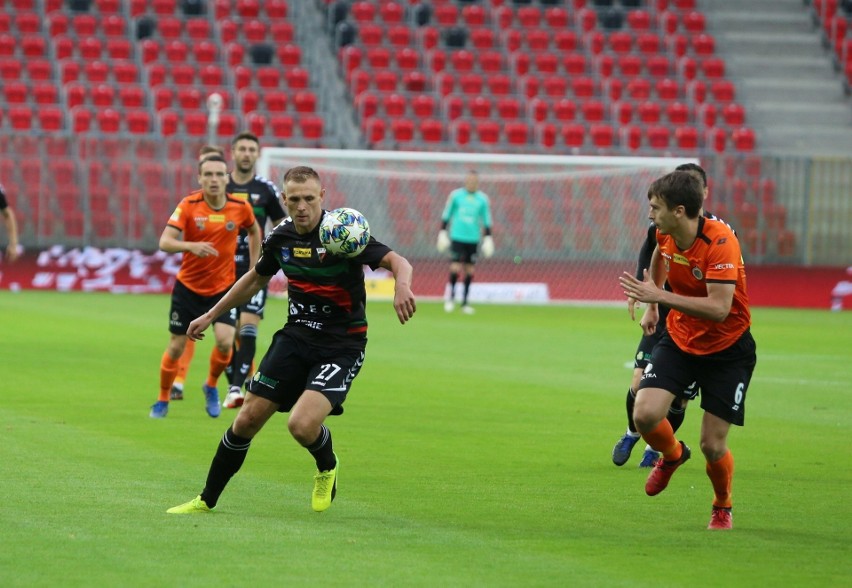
pixel 564 226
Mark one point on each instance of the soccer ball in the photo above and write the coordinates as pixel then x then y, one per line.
pixel 344 232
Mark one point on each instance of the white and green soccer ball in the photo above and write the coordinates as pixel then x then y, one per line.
pixel 344 232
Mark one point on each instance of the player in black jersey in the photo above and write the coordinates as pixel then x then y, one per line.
pixel 677 412
pixel 312 360
pixel 266 200
pixel 11 227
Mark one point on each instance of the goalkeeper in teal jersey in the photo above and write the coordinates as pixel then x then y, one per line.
pixel 468 216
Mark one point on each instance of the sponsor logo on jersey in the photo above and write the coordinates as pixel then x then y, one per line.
pixel 723 266
pixel 176 214
pixel 217 218
pixel 240 195
pixel 678 258
pixel 696 272
pixel 301 252
pixel 721 241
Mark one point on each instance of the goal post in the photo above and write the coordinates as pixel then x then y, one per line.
pixel 564 226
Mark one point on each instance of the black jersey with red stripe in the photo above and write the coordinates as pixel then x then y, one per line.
pixel 327 295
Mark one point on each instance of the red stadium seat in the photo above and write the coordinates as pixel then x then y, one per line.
pixel 658 137
pixel 723 90
pixel 622 112
pixel 138 121
pixel 743 139
pixel 256 123
pixel 119 48
pixel 394 105
pixel 50 118
pixel 565 110
pixel 281 126
pixel 312 127
pixel 480 107
pixel 677 113
pixel 545 134
pixel 602 135
pixel 649 112
pixel 275 100
pixel 733 114
pixel 423 106
pixel 103 95
pixel 517 133
pixel 45 93
pixel 593 111
pixel 686 137
pixel 487 132
pixel 402 130
pixel 509 108
pixel 573 135
pixel 374 130
pixel 431 130
pixel 108 120
pixel 631 137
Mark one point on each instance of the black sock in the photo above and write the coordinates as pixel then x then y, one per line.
pixel 229 369
pixel 454 278
pixel 467 280
pixel 676 415
pixel 322 450
pixel 241 362
pixel 229 457
pixel 631 402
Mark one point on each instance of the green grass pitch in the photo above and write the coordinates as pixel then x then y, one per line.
pixel 475 451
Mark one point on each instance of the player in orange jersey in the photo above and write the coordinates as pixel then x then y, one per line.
pixel 708 342
pixel 188 351
pixel 208 222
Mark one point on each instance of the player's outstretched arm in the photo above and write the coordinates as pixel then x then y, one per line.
pixel 240 293
pixel 403 298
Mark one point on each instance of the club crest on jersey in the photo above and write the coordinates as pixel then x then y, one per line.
pixel 285 254
pixel 696 272
pixel 254 198
pixel 321 253
pixel 230 225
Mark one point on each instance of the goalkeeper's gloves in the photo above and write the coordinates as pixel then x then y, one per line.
pixel 443 241
pixel 487 247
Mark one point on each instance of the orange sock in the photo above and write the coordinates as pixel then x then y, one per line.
pixel 168 370
pixel 218 362
pixel 721 474
pixel 662 439
pixel 184 361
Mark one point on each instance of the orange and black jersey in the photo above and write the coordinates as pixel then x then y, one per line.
pixel 199 222
pixel 647 249
pixel 714 256
pixel 265 200
pixel 327 296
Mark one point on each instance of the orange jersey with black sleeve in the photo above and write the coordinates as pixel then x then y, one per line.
pixel 715 256
pixel 199 222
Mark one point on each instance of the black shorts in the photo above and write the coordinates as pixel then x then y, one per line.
pixel 293 364
pixel 463 252
pixel 723 377
pixel 647 343
pixel 256 304
pixel 188 306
